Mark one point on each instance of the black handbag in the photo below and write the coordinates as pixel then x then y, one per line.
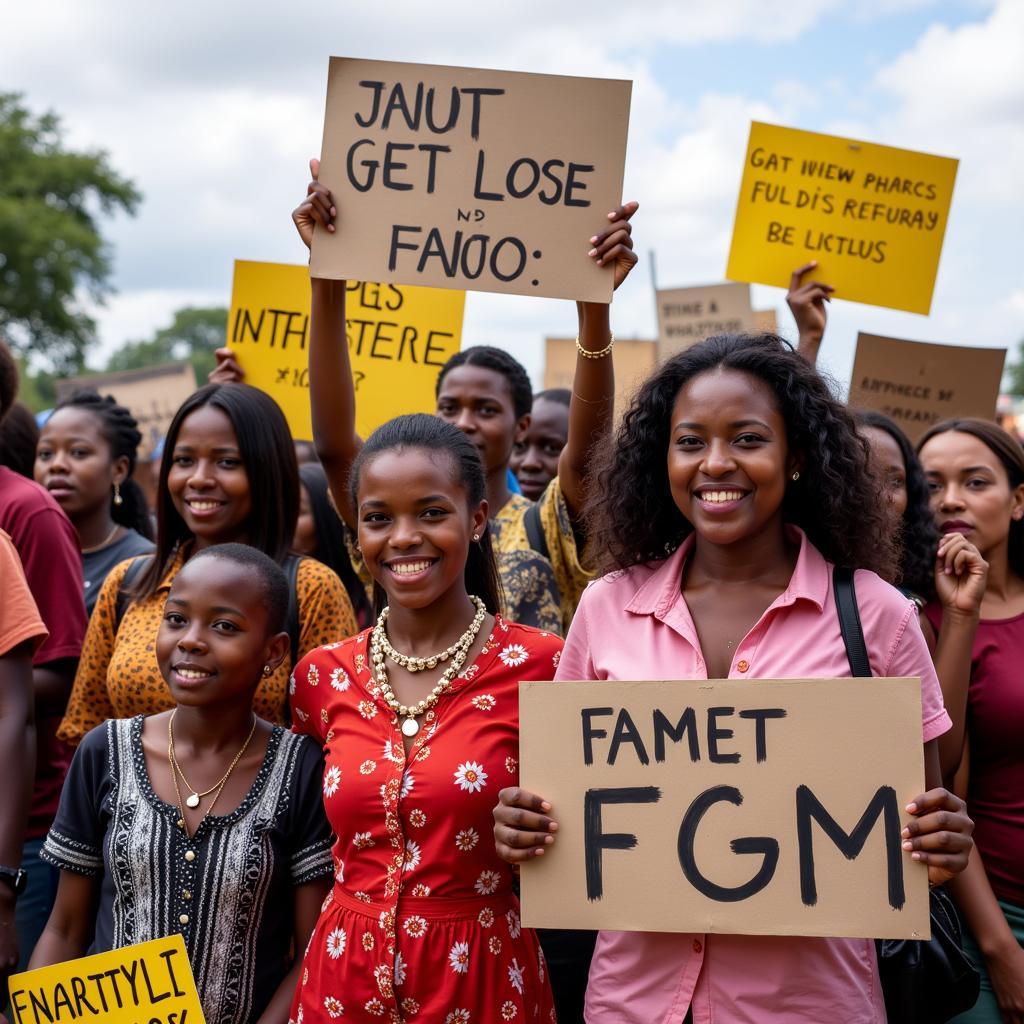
pixel 922 982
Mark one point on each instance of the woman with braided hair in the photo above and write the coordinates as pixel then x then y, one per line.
pixel 85 459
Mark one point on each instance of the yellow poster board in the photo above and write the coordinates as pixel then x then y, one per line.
pixel 150 983
pixel 398 337
pixel 872 216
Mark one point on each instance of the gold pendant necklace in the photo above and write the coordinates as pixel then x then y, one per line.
pixel 194 795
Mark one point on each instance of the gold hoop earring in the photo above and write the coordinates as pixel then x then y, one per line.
pixel 118 500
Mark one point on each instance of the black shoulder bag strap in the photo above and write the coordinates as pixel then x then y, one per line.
pixel 124 597
pixel 535 532
pixel 849 621
pixel 291 568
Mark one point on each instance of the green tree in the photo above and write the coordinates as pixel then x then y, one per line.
pixel 51 249
pixel 193 334
pixel 1013 381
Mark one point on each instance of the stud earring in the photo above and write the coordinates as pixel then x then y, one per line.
pixel 796 475
pixel 476 538
pixel 118 500
pixel 267 670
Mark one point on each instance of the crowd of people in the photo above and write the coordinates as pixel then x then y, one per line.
pixel 277 712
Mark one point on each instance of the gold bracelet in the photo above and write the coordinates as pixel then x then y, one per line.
pixel 593 401
pixel 587 354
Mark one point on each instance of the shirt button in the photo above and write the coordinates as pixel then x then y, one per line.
pixel 185 894
pixel 743 665
pixel 698 946
pixel 190 855
pixel 183 919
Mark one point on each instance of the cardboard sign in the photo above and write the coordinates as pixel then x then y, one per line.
pixel 872 216
pixel 398 339
pixel 688 315
pixel 152 394
pixel 918 384
pixel 464 178
pixel 150 983
pixel 746 806
pixel 634 360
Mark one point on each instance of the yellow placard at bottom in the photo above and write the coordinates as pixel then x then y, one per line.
pixel 149 983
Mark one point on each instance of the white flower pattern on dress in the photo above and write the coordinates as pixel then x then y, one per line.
pixel 458 958
pixel 412 856
pixel 336 942
pixel 458 1017
pixel 399 969
pixel 467 839
pixel 333 1006
pixel 415 926
pixel 470 777
pixel 515 975
pixel 514 927
pixel 484 702
pixel 340 680
pixel 332 780
pixel 514 655
pixel 487 883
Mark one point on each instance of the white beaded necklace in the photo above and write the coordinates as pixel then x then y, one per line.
pixel 380 647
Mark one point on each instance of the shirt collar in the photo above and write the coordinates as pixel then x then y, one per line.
pixel 661 591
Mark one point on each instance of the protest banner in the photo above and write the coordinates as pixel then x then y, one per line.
pixel 465 178
pixel 398 339
pixel 917 384
pixel 149 983
pixel 634 360
pixel 758 807
pixel 766 320
pixel 872 216
pixel 688 315
pixel 152 394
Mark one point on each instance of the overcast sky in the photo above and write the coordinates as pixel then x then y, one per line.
pixel 214 109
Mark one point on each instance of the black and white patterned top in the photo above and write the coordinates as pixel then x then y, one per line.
pixel 228 890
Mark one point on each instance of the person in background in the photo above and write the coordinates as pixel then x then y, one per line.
pixel 21 633
pixel 305 453
pixel 320 534
pixel 47 545
pixel 535 455
pixel 19 433
pixel 217 810
pixel 975 473
pixel 228 474
pixel 86 458
pixel 735 484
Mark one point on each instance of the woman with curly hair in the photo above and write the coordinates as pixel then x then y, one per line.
pixel 735 484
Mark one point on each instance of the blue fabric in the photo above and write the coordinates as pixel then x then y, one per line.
pixel 513 483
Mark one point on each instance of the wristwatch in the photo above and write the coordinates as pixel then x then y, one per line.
pixel 14 878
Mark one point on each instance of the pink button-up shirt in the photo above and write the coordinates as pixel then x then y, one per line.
pixel 636 625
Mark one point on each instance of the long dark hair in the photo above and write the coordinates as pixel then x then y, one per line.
pixel 265 445
pixel 120 430
pixel 919 537
pixel 330 533
pixel 1009 452
pixel 418 430
pixel 631 517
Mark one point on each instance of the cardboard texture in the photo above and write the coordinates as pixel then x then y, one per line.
pixel 466 178
pixel 689 315
pixel 872 216
pixel 152 394
pixel 398 339
pixel 634 360
pixel 151 982
pixel 917 384
pixel 652 861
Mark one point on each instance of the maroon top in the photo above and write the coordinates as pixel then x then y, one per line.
pixel 995 725
pixel 48 547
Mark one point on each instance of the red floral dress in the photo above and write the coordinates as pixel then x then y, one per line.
pixel 422 924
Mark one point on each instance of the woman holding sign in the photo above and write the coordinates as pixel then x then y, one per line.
pixel 975 475
pixel 735 484
pixel 486 393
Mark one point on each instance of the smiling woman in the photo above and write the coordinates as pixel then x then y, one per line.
pixel 228 474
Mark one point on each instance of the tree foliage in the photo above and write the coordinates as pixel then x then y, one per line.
pixel 193 334
pixel 1014 379
pixel 51 249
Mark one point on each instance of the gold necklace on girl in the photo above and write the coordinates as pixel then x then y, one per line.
pixel 380 649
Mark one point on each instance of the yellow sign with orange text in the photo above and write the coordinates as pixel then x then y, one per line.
pixel 150 982
pixel 398 338
pixel 872 216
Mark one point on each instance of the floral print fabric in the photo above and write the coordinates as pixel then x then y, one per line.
pixel 422 924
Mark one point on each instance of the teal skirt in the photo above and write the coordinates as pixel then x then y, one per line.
pixel 986 1009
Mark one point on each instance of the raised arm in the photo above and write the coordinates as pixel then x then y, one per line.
pixel 806 301
pixel 332 393
pixel 592 406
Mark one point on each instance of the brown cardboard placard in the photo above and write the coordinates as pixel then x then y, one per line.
pixel 152 394
pixel 917 383
pixel 467 178
pixel 688 315
pixel 634 360
pixel 722 806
